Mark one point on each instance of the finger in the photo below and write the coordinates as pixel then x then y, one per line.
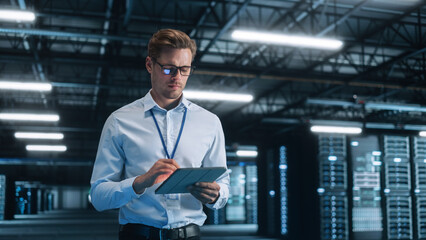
pixel 208 185
pixel 164 171
pixel 165 165
pixel 170 162
pixel 162 176
pixel 174 163
pixel 205 192
pixel 204 197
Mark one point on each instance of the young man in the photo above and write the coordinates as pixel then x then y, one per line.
pixel 144 142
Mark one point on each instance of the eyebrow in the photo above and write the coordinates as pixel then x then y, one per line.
pixel 175 65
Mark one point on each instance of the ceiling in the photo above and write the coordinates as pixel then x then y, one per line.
pixel 93 53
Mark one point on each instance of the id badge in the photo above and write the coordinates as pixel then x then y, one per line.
pixel 173 201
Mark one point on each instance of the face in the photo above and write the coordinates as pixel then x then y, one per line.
pixel 166 89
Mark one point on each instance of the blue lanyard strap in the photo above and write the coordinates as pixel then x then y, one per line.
pixel 161 135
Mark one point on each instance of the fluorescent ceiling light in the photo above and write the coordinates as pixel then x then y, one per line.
pixel 415 127
pixel 29 117
pixel 371 106
pixel 25 86
pixel 48 148
pixel 422 134
pixel 17 15
pixel 331 129
pixel 380 125
pixel 216 96
pixel 39 135
pixel 336 123
pixel 246 153
pixel 396 107
pixel 281 120
pixel 289 40
pixel 331 102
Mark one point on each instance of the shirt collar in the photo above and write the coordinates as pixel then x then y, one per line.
pixel 149 103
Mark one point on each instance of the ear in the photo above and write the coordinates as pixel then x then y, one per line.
pixel 148 64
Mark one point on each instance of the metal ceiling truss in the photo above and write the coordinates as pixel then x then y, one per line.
pixel 94 51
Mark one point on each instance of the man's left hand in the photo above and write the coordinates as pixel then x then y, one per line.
pixel 206 192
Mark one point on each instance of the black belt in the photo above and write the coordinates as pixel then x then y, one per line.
pixel 139 230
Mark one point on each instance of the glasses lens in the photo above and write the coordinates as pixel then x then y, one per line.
pixel 185 71
pixel 167 71
pixel 171 70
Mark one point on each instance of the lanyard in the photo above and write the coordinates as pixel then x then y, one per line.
pixel 161 135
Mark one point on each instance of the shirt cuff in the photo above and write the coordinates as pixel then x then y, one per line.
pixel 221 200
pixel 127 187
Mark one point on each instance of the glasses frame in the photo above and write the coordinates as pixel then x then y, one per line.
pixel 173 69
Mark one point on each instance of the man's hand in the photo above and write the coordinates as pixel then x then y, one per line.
pixel 159 172
pixel 206 192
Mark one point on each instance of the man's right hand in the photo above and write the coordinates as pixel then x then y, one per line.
pixel 159 172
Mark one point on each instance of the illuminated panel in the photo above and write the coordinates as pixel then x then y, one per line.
pixel 366 196
pixel 283 189
pixel 419 159
pixel 2 195
pixel 398 187
pixel 333 186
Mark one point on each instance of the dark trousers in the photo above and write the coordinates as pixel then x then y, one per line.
pixel 127 237
pixel 143 232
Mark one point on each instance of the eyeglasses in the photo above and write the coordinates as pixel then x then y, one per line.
pixel 172 70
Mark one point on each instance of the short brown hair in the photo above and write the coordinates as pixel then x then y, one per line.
pixel 170 38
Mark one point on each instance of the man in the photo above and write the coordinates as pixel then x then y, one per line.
pixel 144 142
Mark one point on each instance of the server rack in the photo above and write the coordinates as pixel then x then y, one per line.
pixel 251 197
pixel 235 208
pixel 366 189
pixel 397 187
pixel 283 190
pixel 2 196
pixel 242 206
pixel 333 187
pixel 419 160
pixel 215 216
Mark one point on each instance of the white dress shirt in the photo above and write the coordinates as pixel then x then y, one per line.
pixel 130 144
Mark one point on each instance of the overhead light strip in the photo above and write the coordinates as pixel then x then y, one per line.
pixel 17 15
pixel 25 86
pixel 46 148
pixel 422 133
pixel 368 105
pixel 39 135
pixel 331 102
pixel 29 117
pixel 334 129
pixel 246 153
pixel 396 107
pixel 217 96
pixel 288 40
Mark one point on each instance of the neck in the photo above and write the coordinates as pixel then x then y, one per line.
pixel 164 102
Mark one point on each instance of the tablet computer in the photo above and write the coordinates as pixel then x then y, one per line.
pixel 184 177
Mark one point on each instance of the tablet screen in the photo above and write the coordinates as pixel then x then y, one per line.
pixel 184 177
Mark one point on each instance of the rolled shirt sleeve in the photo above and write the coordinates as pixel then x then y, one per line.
pixel 108 191
pixel 216 157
